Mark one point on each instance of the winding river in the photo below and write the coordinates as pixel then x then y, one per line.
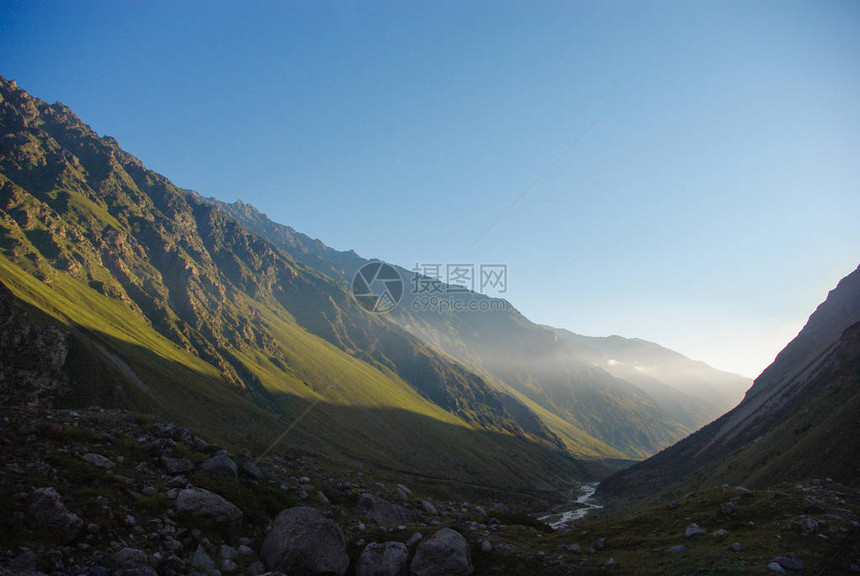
pixel 584 504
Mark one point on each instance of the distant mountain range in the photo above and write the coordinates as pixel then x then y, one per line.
pixel 120 289
pixel 798 421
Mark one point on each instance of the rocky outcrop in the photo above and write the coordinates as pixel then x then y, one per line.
pixel 33 350
pixel 303 542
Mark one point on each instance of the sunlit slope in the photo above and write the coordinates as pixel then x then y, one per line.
pixel 170 305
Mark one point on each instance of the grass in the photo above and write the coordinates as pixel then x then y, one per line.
pixel 764 522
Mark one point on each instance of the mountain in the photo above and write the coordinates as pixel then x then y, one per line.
pixel 798 421
pixel 148 298
pixel 691 392
pixel 567 379
pixel 153 298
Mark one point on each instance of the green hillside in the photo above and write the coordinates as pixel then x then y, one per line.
pixel 168 305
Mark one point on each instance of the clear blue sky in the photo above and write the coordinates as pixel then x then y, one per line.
pixel 711 208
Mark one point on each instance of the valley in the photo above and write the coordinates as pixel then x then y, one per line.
pixel 187 386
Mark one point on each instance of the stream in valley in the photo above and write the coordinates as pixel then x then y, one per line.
pixel 583 504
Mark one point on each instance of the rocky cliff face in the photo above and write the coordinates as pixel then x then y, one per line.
pixel 33 351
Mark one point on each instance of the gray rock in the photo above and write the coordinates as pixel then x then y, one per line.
pixel 228 552
pixel 386 512
pixel 202 561
pixel 177 465
pixel 720 533
pixel 244 550
pixel 304 542
pixel 486 546
pixel 250 469
pixel 429 508
pixel 27 562
pixel 693 530
pixel 445 553
pixel 774 567
pixel 228 566
pixel 389 559
pixel 99 460
pixel 575 548
pixel 129 558
pixel 789 562
pixel 679 549
pixel 809 525
pixel 50 517
pixel 220 465
pixel 737 547
pixel 207 507
pixel 414 539
pixel 178 481
pixel 727 508
pixel 599 544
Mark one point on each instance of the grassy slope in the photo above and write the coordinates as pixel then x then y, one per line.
pixel 362 414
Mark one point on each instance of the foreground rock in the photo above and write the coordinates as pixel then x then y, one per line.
pixel 49 513
pixel 386 512
pixel 208 508
pixel 220 465
pixel 303 542
pixel 445 553
pixel 389 559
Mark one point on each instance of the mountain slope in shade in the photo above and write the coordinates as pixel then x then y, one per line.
pixel 154 300
pixel 799 419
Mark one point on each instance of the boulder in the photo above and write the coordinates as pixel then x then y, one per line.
pixel 386 512
pixel 128 558
pixel 208 508
pixel 679 549
pixel 303 542
pixel 250 469
pixel 202 560
pixel 693 530
pixel 789 562
pixel 220 465
pixel 99 460
pixel 445 553
pixel 414 539
pixel 177 465
pixel 429 508
pixel 50 517
pixel 389 559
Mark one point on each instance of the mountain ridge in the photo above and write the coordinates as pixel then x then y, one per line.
pixel 797 421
